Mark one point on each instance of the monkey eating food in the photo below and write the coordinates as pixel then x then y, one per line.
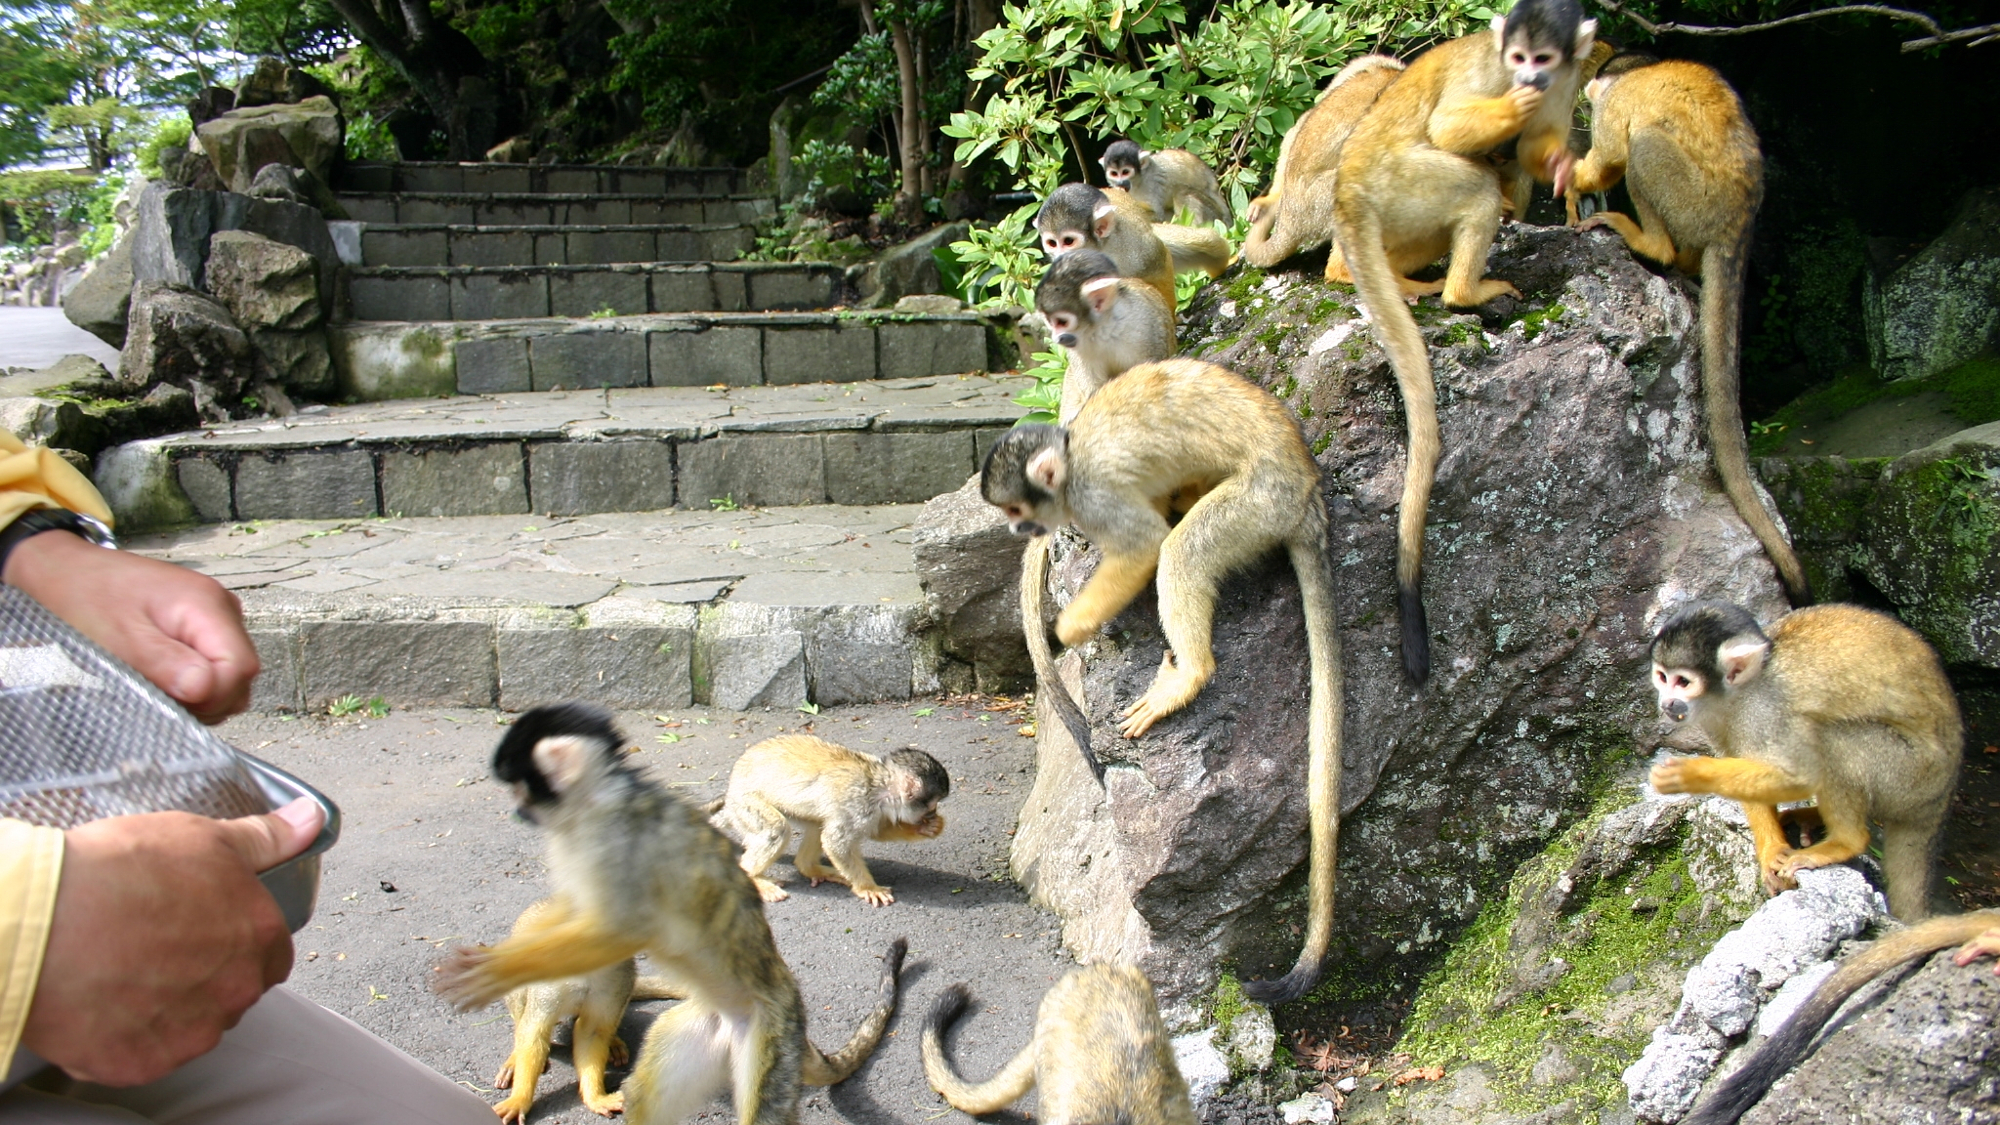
pixel 1100 1053
pixel 635 870
pixel 1415 181
pixel 1677 135
pixel 1115 474
pixel 1835 702
pixel 837 798
pixel 1166 181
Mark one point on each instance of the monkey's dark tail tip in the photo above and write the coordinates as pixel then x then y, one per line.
pixel 892 962
pixel 1285 989
pixel 945 1010
pixel 1416 632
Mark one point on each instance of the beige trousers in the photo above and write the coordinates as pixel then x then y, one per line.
pixel 289 1062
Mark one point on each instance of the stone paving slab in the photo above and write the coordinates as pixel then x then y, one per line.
pixel 553 208
pixel 376 360
pixel 448 176
pixel 573 452
pixel 623 288
pixel 443 244
pixel 765 607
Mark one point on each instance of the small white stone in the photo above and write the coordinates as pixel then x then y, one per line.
pixel 1316 1108
pixel 1204 1067
pixel 1348 1084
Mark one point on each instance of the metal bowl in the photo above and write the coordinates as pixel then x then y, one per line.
pixel 295 882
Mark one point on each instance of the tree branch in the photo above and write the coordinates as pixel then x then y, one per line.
pixel 1977 36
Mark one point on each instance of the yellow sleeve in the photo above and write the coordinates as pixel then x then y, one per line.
pixel 30 869
pixel 34 477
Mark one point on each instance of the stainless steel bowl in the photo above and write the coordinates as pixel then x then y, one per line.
pixel 295 882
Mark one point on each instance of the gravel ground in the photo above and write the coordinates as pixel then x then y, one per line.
pixel 430 857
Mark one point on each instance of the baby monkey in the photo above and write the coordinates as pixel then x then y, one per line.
pixel 1100 1054
pixel 1166 181
pixel 837 798
pixel 1836 702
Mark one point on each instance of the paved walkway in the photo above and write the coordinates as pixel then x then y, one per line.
pixel 36 338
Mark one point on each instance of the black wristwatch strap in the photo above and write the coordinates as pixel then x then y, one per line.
pixel 37 520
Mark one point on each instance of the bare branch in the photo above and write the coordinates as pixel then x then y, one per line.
pixel 1980 36
pixel 1926 21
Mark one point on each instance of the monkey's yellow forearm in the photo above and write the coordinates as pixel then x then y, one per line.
pixel 1739 779
pixel 1593 175
pixel 568 947
pixel 1119 579
pixel 1475 127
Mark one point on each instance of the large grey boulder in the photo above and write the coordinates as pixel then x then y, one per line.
pixel 970 567
pixel 183 337
pixel 1942 307
pixel 264 283
pixel 1574 502
pixel 100 299
pixel 305 134
pixel 276 82
pixel 909 268
pixel 173 227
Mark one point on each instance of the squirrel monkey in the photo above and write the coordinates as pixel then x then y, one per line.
pixel 1165 181
pixel 1079 216
pixel 639 870
pixel 596 1001
pixel 1108 323
pixel 1676 134
pixel 837 798
pixel 1100 1053
pixel 1298 213
pixel 1414 181
pixel 1115 474
pixel 1980 934
pixel 1836 702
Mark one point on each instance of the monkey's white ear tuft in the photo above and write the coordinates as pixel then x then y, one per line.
pixel 1101 293
pixel 1741 659
pixel 1045 468
pixel 1499 33
pixel 562 760
pixel 1145 153
pixel 1102 218
pixel 1586 36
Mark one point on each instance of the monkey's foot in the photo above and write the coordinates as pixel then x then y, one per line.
pixel 1480 292
pixel 818 875
pixel 875 896
pixel 505 1076
pixel 515 1109
pixel 620 1055
pixel 1985 945
pixel 1414 291
pixel 769 891
pixel 610 1105
pixel 1173 688
pixel 1781 870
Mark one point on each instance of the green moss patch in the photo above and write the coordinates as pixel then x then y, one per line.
pixel 1971 393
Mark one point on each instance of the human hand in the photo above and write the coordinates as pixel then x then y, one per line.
pixel 177 628
pixel 162 938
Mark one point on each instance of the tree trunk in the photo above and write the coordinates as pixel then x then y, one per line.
pixel 440 63
pixel 909 198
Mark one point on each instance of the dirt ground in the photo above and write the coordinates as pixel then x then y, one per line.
pixel 430 857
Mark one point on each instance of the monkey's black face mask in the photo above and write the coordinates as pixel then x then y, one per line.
pixel 1675 709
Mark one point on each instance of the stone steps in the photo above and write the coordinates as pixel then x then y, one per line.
pixel 441 244
pixel 748 608
pixel 585 209
pixel 377 360
pixel 445 176
pixel 570 453
pixel 630 288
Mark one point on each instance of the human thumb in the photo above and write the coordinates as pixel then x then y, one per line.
pixel 269 840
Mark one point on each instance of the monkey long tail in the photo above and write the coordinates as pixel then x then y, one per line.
pixel 1396 329
pixel 990 1096
pixel 1783 1050
pixel 1323 742
pixel 1034 587
pixel 1194 248
pixel 825 1070
pixel 1722 269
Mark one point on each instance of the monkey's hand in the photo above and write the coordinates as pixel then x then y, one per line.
pixel 928 828
pixel 1985 945
pixel 1675 775
pixel 1072 629
pixel 1558 167
pixel 514 1110
pixel 1525 100
pixel 464 981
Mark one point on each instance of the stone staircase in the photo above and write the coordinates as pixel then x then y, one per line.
pixel 595 458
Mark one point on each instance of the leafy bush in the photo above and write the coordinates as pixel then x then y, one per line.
pixel 173 131
pixel 833 167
